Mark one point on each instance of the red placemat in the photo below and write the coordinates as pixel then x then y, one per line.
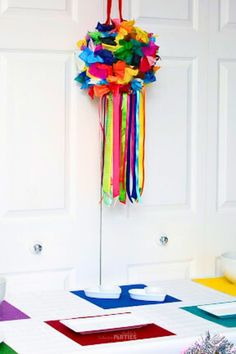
pixel 148 331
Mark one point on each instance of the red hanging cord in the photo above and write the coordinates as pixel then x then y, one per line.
pixel 120 10
pixel 109 5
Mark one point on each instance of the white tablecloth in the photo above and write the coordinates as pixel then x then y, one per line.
pixel 33 336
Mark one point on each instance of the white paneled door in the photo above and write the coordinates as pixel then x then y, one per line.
pixel 49 149
pixel 189 195
pixel 221 172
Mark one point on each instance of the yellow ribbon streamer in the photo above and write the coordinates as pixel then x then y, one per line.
pixel 107 190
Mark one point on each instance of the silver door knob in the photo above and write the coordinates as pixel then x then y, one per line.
pixel 37 248
pixel 163 240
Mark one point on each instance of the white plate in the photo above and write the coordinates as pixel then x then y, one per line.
pixel 102 323
pixel 1 337
pixel 101 292
pixel 142 294
pixel 223 310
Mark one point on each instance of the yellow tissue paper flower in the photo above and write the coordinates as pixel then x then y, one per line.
pixel 129 74
pixel 111 48
pixel 127 25
pixel 141 35
pixel 121 34
pixel 82 42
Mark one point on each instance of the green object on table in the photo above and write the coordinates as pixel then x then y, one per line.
pixel 5 349
pixel 226 322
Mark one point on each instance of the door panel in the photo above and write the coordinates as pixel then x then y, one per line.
pixel 174 199
pixel 49 147
pixel 221 172
pixel 36 121
pixel 190 188
pixel 159 271
pixel 168 150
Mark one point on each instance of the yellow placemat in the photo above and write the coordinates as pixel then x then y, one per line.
pixel 220 284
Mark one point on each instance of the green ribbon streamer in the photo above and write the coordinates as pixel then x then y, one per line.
pixel 122 196
pixel 5 349
pixel 107 169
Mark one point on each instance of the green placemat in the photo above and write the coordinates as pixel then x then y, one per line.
pixel 5 349
pixel 226 322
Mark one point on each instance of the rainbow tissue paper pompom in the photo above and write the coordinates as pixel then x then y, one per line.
pixel 115 63
pixel 117 56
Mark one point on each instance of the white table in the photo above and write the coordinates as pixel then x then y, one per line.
pixel 33 336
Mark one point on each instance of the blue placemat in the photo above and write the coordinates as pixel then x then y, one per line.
pixel 124 300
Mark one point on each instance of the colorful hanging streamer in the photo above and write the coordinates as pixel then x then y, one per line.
pixel 115 63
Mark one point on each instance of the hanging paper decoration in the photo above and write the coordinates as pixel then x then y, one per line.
pixel 115 63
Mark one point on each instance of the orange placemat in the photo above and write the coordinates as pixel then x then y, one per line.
pixel 219 283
